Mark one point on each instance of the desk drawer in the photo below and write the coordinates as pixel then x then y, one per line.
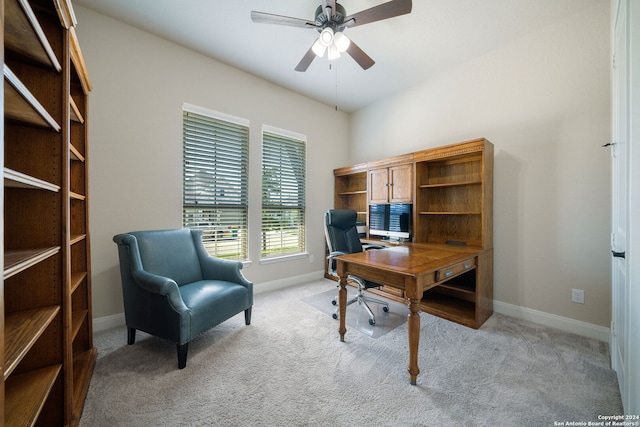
pixel 455 269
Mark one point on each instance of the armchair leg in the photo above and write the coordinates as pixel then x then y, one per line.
pixel 182 355
pixel 131 335
pixel 247 316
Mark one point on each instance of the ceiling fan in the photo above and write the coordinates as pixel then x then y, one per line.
pixel 331 20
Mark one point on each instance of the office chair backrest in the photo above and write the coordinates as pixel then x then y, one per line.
pixel 340 230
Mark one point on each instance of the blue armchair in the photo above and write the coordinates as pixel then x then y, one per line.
pixel 174 289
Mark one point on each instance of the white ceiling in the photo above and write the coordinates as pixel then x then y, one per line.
pixel 437 35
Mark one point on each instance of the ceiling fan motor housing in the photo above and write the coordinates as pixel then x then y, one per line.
pixel 335 23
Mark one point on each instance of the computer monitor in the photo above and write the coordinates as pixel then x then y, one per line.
pixel 391 220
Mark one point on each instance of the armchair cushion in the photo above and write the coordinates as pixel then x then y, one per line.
pixel 171 253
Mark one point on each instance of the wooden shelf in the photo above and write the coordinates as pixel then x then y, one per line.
pixel 76 196
pixel 16 179
pixel 459 288
pixel 23 34
pixel 77 317
pixel 25 395
pixel 348 193
pixel 77 59
pixel 76 115
pixel 23 329
pixel 450 213
pixel 76 280
pixel 75 154
pixel 450 308
pixel 83 364
pixel 451 184
pixel 16 261
pixel 77 238
pixel 21 105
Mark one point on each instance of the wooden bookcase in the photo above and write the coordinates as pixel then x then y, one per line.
pixel 351 190
pixel 452 196
pixel 47 322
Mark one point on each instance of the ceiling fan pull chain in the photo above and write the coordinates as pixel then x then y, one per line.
pixel 336 89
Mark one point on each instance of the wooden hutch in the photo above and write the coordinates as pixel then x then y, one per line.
pixel 451 190
pixel 47 348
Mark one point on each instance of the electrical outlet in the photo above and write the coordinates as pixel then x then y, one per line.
pixel 577 295
pixel 311 258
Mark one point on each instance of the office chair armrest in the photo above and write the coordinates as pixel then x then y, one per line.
pixel 367 246
pixel 334 254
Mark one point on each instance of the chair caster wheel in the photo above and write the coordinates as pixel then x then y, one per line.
pixel 372 322
pixel 334 302
pixel 385 309
pixel 335 316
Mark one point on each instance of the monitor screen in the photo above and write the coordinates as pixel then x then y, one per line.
pixel 390 220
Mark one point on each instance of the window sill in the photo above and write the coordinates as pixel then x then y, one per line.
pixel 284 258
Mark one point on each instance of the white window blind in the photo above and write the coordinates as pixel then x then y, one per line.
pixel 283 194
pixel 215 183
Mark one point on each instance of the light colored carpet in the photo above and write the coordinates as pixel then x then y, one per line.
pixel 288 368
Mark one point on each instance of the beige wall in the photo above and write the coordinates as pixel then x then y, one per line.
pixel 544 101
pixel 140 84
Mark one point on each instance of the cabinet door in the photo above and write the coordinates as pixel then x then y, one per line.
pixel 401 184
pixel 379 185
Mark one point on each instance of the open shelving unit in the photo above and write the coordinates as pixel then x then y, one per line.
pixel 454 207
pixel 351 190
pixel 47 332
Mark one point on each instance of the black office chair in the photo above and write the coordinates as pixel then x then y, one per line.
pixel 343 238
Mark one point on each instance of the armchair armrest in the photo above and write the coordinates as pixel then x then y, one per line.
pixel 160 285
pixel 221 269
pixel 150 282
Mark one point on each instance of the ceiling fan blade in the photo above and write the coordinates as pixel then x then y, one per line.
pixel 270 18
pixel 306 60
pixel 378 13
pixel 359 56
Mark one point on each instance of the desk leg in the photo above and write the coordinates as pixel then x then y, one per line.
pixel 414 338
pixel 342 306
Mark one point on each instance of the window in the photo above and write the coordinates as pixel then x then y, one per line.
pixel 283 194
pixel 215 184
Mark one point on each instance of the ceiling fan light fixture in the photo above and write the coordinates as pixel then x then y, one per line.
pixel 341 42
pixel 333 53
pixel 326 37
pixel 318 48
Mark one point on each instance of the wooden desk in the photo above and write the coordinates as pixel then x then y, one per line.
pixel 413 268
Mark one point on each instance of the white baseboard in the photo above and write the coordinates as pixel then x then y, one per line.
pixel 115 320
pixel 287 282
pixel 108 322
pixel 553 321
